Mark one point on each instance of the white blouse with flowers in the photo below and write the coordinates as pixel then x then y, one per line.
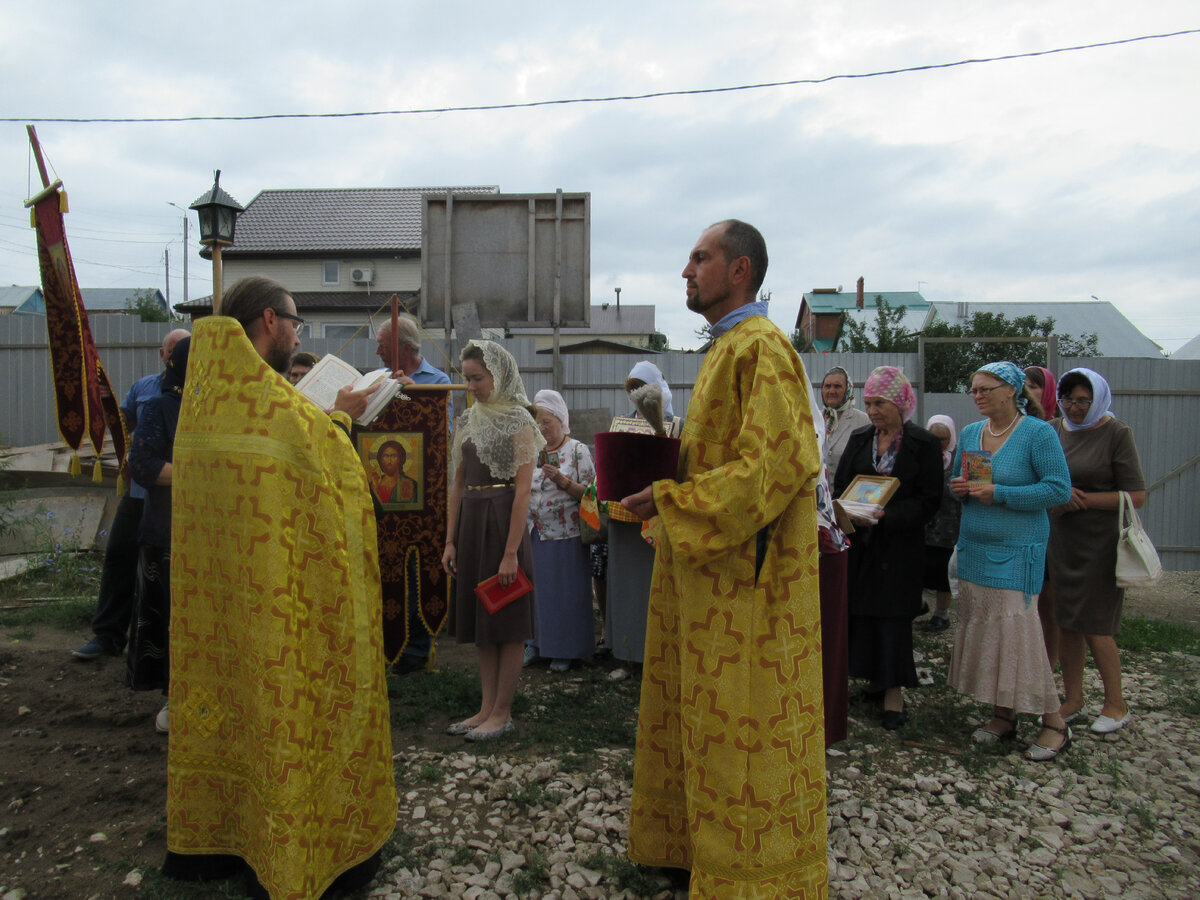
pixel 552 511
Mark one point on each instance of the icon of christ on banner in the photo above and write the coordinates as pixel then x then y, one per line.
pixel 393 462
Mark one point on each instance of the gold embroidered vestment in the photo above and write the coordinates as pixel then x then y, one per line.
pixel 729 777
pixel 280 750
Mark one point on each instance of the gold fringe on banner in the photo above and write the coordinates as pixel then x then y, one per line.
pixel 76 467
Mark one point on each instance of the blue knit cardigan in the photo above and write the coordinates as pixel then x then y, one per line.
pixel 1004 545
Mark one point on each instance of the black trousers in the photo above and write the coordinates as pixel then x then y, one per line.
pixel 118 578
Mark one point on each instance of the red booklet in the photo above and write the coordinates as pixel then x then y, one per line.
pixel 494 597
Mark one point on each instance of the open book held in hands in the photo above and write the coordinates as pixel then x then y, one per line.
pixel 330 375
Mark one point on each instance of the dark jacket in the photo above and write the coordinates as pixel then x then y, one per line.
pixel 886 565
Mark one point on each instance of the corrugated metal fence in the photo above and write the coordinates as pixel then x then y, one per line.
pixel 1159 399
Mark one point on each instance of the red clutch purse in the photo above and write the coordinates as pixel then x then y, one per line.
pixel 494 597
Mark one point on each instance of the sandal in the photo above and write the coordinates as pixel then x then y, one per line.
pixel 987 736
pixel 1041 753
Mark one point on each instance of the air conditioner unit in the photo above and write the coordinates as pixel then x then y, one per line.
pixel 362 275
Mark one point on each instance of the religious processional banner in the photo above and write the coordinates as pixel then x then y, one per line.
pixel 84 410
pixel 406 455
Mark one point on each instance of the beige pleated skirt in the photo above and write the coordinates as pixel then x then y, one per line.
pixel 999 655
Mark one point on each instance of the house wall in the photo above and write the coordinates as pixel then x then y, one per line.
pixel 1158 398
pixel 391 274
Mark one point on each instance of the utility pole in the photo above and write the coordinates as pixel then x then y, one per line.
pixel 185 257
pixel 167 265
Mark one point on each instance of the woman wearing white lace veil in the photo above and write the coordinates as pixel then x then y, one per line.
pixel 630 558
pixel 496 444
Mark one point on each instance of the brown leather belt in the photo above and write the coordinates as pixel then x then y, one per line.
pixel 484 487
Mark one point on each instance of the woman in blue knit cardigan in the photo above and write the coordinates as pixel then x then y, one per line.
pixel 1009 469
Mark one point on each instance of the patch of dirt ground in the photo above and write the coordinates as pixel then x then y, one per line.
pixel 83 773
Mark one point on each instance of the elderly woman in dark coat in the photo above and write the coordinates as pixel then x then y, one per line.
pixel 887 555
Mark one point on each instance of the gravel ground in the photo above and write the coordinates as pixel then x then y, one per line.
pixel 1116 816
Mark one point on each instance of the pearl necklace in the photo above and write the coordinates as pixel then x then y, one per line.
pixel 1006 428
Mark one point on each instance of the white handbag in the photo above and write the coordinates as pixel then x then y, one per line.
pixel 1137 560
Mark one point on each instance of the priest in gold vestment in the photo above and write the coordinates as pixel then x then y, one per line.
pixel 280 754
pixel 729 773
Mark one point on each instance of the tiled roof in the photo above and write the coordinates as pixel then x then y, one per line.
pixel 347 220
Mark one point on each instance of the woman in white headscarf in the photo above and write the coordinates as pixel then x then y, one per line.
pixel 630 558
pixel 496 445
pixel 564 628
pixel 1103 460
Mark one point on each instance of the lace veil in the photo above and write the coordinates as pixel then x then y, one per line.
pixel 501 428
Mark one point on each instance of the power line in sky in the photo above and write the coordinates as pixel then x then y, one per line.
pixel 612 99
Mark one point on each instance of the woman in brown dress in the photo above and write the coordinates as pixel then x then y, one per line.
pixel 1083 541
pixel 496 444
pixel 1041 385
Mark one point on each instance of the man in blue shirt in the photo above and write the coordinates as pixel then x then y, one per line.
pixel 114 606
pixel 410 367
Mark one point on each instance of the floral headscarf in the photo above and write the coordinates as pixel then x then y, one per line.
pixel 1101 407
pixel 1011 375
pixel 500 427
pixel 889 383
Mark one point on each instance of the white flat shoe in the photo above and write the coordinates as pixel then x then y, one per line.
pixel 1107 724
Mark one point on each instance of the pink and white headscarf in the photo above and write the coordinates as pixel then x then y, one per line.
pixel 889 383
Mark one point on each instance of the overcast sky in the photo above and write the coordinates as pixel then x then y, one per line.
pixel 1059 177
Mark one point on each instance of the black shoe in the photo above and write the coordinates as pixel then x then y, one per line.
pixel 934 624
pixel 893 719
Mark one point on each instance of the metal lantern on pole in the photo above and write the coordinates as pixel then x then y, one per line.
pixel 218 213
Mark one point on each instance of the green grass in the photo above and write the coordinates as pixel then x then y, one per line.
pixel 417 696
pixel 580 713
pixel 156 886
pixel 1142 635
pixel 1178 680
pixel 625 873
pixel 70 614
pixel 530 880
pixel 530 795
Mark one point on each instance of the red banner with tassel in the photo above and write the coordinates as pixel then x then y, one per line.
pixel 85 404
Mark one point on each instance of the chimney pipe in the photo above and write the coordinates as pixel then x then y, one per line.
pixel 860 292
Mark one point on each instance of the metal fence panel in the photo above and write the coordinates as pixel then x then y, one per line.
pixel 1159 399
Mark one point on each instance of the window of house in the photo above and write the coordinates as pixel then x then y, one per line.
pixel 331 272
pixel 336 334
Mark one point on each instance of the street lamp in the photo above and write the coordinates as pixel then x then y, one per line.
pixel 217 212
